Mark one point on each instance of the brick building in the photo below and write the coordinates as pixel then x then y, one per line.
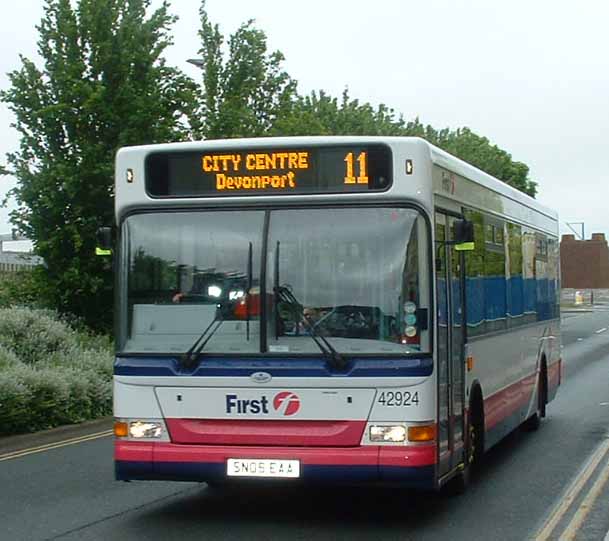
pixel 584 263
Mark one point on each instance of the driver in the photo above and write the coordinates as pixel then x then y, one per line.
pixel 313 316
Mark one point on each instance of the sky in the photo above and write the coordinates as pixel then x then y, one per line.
pixel 532 76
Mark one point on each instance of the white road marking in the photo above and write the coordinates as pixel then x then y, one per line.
pixel 572 492
pixel 586 506
pixel 601 330
pixel 55 445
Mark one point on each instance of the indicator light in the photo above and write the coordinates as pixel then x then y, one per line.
pixel 121 429
pixel 422 433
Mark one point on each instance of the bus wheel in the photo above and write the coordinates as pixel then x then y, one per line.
pixel 534 422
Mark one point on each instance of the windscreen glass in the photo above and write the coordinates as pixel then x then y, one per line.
pixel 185 271
pixel 349 275
pixel 353 273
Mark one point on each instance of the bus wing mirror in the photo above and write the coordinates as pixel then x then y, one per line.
pixel 464 235
pixel 104 241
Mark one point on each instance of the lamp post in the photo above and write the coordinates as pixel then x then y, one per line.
pixel 569 224
pixel 196 62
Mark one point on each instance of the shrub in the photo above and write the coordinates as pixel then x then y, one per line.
pixel 50 374
pixel 18 289
pixel 7 358
pixel 33 335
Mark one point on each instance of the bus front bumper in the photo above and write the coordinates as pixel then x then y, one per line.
pixel 411 466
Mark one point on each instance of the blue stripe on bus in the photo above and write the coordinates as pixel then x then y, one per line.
pixel 294 367
pixel 416 477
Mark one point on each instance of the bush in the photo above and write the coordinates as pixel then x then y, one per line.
pixel 50 374
pixel 8 359
pixel 33 335
pixel 19 289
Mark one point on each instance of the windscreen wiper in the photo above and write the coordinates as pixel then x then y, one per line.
pixel 247 291
pixel 189 358
pixel 284 294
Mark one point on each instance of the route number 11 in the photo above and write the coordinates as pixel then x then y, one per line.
pixel 362 178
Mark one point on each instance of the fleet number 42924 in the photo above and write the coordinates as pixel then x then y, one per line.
pixel 398 398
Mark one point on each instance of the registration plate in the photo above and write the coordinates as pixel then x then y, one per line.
pixel 262 467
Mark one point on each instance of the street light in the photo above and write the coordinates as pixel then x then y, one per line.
pixel 196 62
pixel 569 224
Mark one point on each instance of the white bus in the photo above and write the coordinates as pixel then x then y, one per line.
pixel 326 309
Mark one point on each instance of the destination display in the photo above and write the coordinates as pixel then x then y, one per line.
pixel 275 171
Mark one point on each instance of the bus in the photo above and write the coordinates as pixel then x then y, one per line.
pixel 326 310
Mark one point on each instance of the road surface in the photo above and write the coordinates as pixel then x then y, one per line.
pixel 530 486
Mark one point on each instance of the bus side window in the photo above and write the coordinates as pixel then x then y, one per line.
pixel 494 275
pixel 515 284
pixel 474 278
pixel 529 275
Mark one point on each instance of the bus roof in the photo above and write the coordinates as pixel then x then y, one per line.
pixel 436 155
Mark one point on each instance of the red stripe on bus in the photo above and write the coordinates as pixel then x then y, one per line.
pixel 133 451
pixel 554 374
pixel 169 452
pixel 508 401
pixel 414 455
pixel 400 456
pixel 266 432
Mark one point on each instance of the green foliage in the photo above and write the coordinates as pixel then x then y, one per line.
pixel 479 151
pixel 50 374
pixel 19 288
pixel 245 93
pixel 104 84
pixel 320 114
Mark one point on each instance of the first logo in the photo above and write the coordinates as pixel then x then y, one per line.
pixel 287 403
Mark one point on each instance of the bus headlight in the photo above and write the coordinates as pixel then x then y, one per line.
pixel 388 433
pixel 145 429
pixel 137 429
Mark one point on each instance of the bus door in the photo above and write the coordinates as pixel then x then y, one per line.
pixel 450 345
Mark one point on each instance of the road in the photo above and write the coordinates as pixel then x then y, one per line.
pixel 68 492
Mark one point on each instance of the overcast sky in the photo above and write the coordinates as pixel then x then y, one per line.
pixel 532 76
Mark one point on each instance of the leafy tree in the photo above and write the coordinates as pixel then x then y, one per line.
pixel 245 93
pixel 104 84
pixel 321 114
pixel 478 151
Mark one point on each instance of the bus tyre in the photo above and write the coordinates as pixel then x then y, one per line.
pixel 459 483
pixel 217 487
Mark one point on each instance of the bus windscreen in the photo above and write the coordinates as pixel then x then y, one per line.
pixel 277 171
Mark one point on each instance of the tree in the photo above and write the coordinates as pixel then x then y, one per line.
pixel 321 114
pixel 104 84
pixel 245 93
